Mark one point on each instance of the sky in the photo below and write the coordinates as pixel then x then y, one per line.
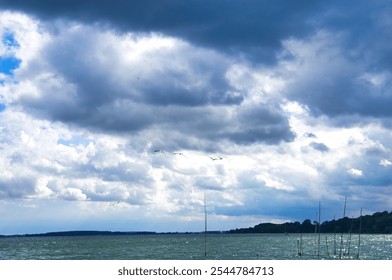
pixel 124 115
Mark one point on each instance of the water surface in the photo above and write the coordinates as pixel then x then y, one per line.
pixel 192 246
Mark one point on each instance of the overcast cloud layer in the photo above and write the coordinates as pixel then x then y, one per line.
pixel 121 115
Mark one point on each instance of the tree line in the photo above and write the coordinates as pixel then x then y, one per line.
pixel 378 223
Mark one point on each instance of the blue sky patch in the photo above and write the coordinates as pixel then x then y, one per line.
pixel 8 64
pixel 9 40
pixel 74 141
pixel 2 107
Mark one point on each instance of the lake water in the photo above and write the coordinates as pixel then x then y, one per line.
pixel 192 246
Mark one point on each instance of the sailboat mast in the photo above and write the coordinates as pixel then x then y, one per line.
pixel 205 225
pixel 334 236
pixel 359 233
pixel 319 231
pixel 341 237
pixel 349 239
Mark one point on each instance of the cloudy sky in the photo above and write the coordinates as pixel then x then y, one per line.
pixel 264 107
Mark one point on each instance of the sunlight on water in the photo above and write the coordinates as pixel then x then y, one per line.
pixel 191 246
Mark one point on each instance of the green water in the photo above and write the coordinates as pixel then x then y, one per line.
pixel 192 246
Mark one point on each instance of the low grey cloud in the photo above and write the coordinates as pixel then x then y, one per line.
pixel 18 187
pixel 259 122
pixel 319 146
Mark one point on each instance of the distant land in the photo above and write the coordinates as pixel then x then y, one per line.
pixel 378 223
pixel 98 233
pixel 81 233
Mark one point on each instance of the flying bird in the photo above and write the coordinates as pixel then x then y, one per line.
pixel 160 151
pixel 116 203
pixel 178 154
pixel 218 158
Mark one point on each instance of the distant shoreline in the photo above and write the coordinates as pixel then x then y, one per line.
pixel 378 223
pixel 103 233
pixel 136 233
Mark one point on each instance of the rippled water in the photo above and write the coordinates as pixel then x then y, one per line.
pixel 192 246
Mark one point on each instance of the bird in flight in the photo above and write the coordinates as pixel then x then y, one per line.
pixel 116 203
pixel 214 158
pixel 178 154
pixel 160 151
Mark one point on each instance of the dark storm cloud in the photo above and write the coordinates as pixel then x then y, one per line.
pixel 346 92
pixel 117 95
pixel 257 29
pixel 97 69
pixel 259 122
pixel 252 27
pixel 346 67
pixel 242 125
pixel 366 27
pixel 182 90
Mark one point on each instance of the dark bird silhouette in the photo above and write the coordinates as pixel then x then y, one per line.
pixel 116 203
pixel 178 154
pixel 218 158
pixel 160 151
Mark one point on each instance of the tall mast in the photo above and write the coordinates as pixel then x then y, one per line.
pixel 319 232
pixel 359 233
pixel 205 225
pixel 349 238
pixel 334 236
pixel 341 237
